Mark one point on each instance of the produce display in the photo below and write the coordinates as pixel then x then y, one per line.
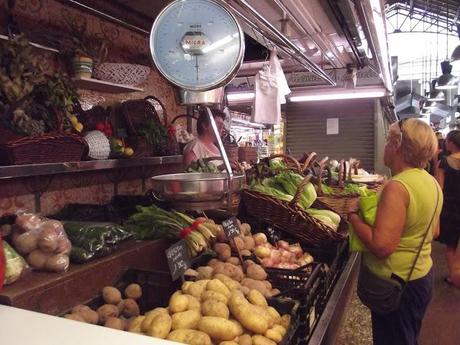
pixel 93 240
pixel 202 166
pixel 348 189
pixel 284 186
pixel 153 222
pixel 43 242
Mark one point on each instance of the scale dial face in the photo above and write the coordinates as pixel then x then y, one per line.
pixel 197 44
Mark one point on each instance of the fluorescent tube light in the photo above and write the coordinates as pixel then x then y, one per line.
pixel 240 96
pixel 337 95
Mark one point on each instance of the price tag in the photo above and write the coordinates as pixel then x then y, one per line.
pixel 178 259
pixel 231 228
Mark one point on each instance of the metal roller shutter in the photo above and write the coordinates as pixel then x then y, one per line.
pixel 306 130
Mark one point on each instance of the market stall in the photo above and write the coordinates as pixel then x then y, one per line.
pixel 146 248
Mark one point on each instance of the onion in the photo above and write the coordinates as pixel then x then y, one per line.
pixel 259 238
pixel 267 262
pixel 297 250
pixel 283 244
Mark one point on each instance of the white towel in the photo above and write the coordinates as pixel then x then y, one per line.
pixel 267 106
pixel 283 87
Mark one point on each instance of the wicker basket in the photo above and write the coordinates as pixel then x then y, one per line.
pixel 247 154
pixel 121 73
pixel 48 148
pixel 136 113
pixel 288 217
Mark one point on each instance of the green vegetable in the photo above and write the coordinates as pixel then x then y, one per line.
pixel 15 264
pixel 291 181
pixel 329 218
pixel 202 166
pixel 272 192
pixel 327 190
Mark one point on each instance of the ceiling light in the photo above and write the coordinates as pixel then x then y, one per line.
pixel 240 96
pixel 337 94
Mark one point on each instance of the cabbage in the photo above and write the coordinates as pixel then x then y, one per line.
pixel 15 264
pixel 334 218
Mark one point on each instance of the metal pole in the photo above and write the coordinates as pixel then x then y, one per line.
pixel 281 37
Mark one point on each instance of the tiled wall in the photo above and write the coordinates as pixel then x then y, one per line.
pixel 124 45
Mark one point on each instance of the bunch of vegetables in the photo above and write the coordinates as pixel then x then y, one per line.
pixel 43 242
pixel 282 255
pixel 284 186
pixel 153 222
pixel 200 166
pixel 116 311
pixel 349 189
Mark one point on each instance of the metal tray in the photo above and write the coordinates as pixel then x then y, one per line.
pixel 194 187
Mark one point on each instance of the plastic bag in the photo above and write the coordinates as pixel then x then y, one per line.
pixel 42 241
pixel 368 211
pixel 93 240
pixel 15 265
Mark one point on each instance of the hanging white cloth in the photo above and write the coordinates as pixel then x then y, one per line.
pixel 283 87
pixel 267 106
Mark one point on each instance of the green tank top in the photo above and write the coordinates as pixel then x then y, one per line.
pixel 421 187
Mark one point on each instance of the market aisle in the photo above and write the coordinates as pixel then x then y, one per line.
pixel 441 323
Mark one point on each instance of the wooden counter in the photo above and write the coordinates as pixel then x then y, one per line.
pixel 54 294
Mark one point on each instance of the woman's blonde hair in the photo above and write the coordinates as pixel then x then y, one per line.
pixel 418 141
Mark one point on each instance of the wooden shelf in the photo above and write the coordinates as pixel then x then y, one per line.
pixel 16 171
pixel 103 86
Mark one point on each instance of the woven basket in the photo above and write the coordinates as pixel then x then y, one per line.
pixel 288 217
pixel 48 148
pixel 247 154
pixel 121 73
pixel 136 113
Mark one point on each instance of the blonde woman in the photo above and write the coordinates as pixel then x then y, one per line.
pixel 407 220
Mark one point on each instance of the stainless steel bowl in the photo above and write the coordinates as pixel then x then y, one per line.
pixel 194 187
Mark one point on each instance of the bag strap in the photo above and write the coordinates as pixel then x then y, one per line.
pixel 426 234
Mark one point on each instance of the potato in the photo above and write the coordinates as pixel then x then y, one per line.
pixel 256 298
pixel 185 286
pixel 215 308
pixel 193 303
pixel 213 263
pixel 191 273
pixel 48 240
pixel 130 308
pixel 111 295
pixel 52 226
pixel 135 324
pixel 237 244
pixel 257 285
pixel 75 317
pixel 121 306
pixel 274 314
pixel 231 342
pixel 189 336
pixel 57 263
pixel 261 340
pixel 204 272
pixel 245 339
pixel 217 286
pixel 64 246
pixel 157 311
pixel 133 291
pixel 256 272
pixel 245 229
pixel 150 316
pixel 234 261
pixel 213 296
pixel 186 320
pixel 26 242
pixel 197 288
pixel 245 290
pixel 280 329
pixel 249 243
pixel 285 321
pixel 90 316
pixel 223 251
pixel 275 292
pixel 221 237
pixel 106 311
pixel 160 326
pixel 115 323
pixel 79 308
pixel 28 222
pixel 245 252
pixel 229 283
pixel 260 238
pixel 274 335
pixel 247 314
pixel 178 303
pixel 37 259
pixel 219 328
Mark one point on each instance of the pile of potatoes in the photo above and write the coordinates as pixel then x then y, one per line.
pixel 43 242
pixel 116 313
pixel 214 312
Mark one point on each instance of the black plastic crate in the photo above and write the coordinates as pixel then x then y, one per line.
pixel 287 306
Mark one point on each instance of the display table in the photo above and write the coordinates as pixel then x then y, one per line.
pixel 22 327
pixel 55 294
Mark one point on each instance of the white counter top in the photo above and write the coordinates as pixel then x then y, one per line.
pixel 22 327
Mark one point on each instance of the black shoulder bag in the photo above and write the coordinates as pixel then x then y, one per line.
pixel 383 295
